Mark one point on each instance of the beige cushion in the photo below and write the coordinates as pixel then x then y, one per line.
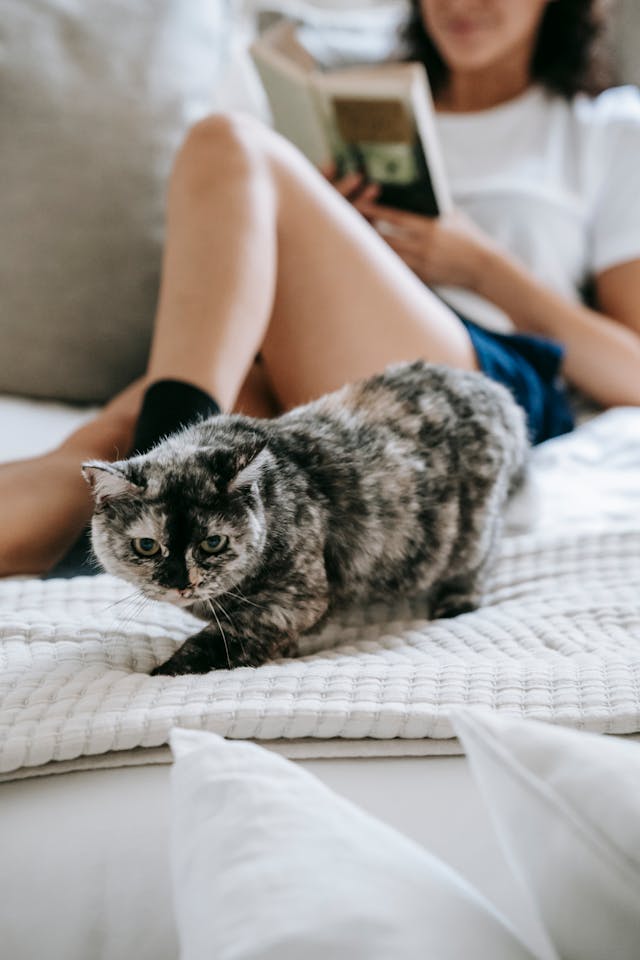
pixel 95 97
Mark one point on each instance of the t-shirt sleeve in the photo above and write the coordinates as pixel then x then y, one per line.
pixel 615 222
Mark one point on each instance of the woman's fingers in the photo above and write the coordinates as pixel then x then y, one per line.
pixel 367 196
pixel 361 200
pixel 344 185
pixel 353 186
pixel 410 222
pixel 404 244
pixel 328 170
pixel 350 185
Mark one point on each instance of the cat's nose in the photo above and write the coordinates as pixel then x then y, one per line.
pixel 186 592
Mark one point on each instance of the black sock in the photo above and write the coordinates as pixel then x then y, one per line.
pixel 168 406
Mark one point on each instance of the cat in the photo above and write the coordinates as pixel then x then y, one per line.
pixel 391 486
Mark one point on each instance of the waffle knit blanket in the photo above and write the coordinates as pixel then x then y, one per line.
pixel 557 638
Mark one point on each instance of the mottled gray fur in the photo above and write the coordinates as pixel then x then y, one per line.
pixel 391 486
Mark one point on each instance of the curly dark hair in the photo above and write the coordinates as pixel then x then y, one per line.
pixel 572 52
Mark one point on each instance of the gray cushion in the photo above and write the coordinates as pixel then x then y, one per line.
pixel 95 96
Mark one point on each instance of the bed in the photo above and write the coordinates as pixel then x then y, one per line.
pixel 84 765
pixel 84 762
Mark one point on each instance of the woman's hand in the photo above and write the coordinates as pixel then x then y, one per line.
pixel 446 250
pixel 449 249
pixel 352 186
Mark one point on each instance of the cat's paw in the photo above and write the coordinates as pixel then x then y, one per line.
pixel 204 652
pixel 455 596
pixel 453 607
pixel 184 662
pixel 194 659
pixel 164 670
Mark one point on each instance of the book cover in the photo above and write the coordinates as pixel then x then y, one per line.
pixel 376 119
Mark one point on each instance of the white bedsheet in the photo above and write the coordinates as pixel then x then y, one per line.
pixel 558 638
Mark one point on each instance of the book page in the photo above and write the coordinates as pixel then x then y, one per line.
pixel 294 112
pixel 285 69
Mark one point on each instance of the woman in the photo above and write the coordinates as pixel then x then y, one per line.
pixel 264 257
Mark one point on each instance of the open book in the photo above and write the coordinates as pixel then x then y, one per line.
pixel 376 119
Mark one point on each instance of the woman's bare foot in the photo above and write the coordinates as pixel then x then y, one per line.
pixel 45 502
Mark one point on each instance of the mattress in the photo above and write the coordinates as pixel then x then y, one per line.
pixel 556 638
pixel 85 856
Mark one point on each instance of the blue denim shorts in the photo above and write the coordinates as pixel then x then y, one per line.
pixel 530 368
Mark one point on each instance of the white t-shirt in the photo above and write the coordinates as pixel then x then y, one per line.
pixel 556 182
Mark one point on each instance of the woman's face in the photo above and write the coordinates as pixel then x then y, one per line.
pixel 474 34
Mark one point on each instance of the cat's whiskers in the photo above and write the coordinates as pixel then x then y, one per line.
pixel 140 606
pixel 244 653
pixel 224 638
pixel 137 606
pixel 128 597
pixel 132 605
pixel 240 596
pixel 222 609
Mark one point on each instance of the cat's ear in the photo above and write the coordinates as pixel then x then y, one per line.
pixel 248 467
pixel 239 466
pixel 108 480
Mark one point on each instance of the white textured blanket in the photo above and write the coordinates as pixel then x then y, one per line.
pixel 558 638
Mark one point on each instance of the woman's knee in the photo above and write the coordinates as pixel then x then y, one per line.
pixel 222 145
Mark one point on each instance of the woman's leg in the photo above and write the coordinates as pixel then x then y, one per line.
pixel 45 502
pixel 263 255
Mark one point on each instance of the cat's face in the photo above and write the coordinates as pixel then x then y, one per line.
pixel 184 525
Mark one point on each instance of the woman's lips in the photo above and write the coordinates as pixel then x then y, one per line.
pixel 463 28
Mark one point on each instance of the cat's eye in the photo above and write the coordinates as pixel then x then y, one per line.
pixel 215 544
pixel 145 546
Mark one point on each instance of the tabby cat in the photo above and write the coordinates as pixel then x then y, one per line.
pixel 390 486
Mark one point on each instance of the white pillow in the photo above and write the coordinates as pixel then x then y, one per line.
pixel 567 808
pixel 269 863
